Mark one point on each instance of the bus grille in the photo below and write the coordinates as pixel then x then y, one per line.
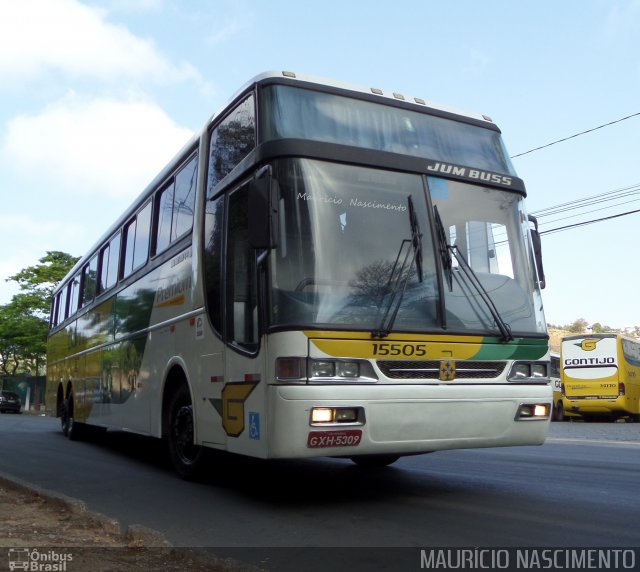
pixel 431 369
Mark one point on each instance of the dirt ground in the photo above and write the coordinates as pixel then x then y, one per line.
pixel 62 536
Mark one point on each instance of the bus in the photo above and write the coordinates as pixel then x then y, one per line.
pixel 556 383
pixel 323 270
pixel 600 377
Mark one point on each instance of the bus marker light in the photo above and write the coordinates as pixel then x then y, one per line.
pixel 289 368
pixel 345 415
pixel 337 416
pixel 322 415
pixel 540 411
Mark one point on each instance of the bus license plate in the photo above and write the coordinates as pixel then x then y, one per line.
pixel 319 439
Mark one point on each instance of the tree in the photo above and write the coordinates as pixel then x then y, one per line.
pixel 24 321
pixel 38 282
pixel 579 326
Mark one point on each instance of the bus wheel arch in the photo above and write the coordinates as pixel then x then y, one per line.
pixel 178 426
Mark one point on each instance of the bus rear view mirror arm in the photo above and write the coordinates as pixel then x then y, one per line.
pixel 263 197
pixel 537 250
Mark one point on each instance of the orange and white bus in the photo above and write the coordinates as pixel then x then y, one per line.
pixel 324 269
pixel 600 377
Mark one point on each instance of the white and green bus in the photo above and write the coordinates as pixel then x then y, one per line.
pixel 323 270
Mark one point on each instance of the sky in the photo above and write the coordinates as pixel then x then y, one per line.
pixel 97 95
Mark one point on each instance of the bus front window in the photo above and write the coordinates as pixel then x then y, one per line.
pixel 345 232
pixel 341 231
pixel 487 229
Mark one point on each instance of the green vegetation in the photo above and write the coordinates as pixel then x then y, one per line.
pixel 24 321
pixel 581 326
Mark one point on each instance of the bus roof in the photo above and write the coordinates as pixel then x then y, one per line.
pixel 383 93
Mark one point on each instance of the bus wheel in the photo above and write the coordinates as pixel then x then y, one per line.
pixel 65 415
pixel 188 458
pixel 70 427
pixel 372 461
pixel 560 416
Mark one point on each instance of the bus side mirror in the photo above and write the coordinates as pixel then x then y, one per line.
pixel 263 210
pixel 537 250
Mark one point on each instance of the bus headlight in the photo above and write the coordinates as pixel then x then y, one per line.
pixel 529 371
pixel 341 371
pixel 322 368
pixel 296 369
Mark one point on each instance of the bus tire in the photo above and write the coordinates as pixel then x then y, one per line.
pixel 70 427
pixel 373 461
pixel 64 418
pixel 188 459
pixel 559 413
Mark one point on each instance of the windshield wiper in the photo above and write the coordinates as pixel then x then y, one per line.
pixel 398 278
pixel 447 253
pixel 443 247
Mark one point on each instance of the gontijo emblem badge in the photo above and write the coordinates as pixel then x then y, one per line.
pixel 447 370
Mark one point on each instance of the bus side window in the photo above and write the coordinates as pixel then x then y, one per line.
pixel 74 295
pixel 241 275
pixel 184 199
pixel 231 141
pixel 164 213
pixel 62 305
pixel 110 256
pixel 55 309
pixel 175 205
pixel 137 241
pixel 89 280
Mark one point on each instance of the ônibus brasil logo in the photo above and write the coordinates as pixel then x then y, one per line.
pixel 38 560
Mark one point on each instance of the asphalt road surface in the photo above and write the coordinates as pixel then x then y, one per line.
pixel 580 489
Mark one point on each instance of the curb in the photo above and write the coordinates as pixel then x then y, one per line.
pixel 134 533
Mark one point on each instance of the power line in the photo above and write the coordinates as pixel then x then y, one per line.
pixel 576 135
pixel 589 212
pixel 589 201
pixel 587 222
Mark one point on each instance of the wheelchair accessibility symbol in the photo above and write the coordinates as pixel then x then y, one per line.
pixel 254 425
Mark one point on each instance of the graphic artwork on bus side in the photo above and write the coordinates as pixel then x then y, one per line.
pixel 231 406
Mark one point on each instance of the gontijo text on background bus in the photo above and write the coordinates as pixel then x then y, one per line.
pixel 322 270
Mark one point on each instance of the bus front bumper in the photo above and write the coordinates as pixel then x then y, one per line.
pixel 405 419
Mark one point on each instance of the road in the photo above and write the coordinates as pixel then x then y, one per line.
pixel 580 489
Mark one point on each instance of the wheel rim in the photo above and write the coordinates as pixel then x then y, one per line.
pixel 183 435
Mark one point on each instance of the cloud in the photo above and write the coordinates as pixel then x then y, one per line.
pixel 93 146
pixel 38 36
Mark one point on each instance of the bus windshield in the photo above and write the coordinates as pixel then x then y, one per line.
pixel 290 112
pixel 343 228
